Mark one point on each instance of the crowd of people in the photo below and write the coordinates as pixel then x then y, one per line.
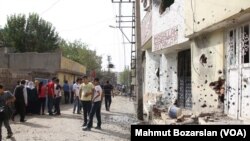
pixel 30 98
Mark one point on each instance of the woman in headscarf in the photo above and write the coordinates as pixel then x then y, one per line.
pixel 32 98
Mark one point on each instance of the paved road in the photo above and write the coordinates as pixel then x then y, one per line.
pixel 67 127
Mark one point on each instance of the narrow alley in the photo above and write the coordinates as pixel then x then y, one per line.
pixel 68 127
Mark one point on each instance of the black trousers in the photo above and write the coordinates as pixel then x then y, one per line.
pixel 66 97
pixel 86 110
pixel 42 104
pixel 57 105
pixel 72 97
pixel 4 120
pixel 95 109
pixel 20 109
pixel 108 101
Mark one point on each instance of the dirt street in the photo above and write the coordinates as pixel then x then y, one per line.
pixel 68 126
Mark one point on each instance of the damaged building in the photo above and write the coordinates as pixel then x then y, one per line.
pixel 197 58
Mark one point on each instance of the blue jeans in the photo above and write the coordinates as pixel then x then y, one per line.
pixel 76 105
pixel 50 104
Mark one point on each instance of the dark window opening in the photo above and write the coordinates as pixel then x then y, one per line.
pixel 232 47
pixel 165 4
pixel 245 48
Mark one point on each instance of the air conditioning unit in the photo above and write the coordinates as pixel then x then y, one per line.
pixel 146 4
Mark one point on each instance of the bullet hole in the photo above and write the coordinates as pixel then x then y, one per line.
pixel 200 94
pixel 167 76
pixel 169 94
pixel 170 67
pixel 225 9
pixel 218 86
pixel 211 95
pixel 219 107
pixel 247 104
pixel 166 89
pixel 198 86
pixel 175 72
pixel 205 75
pixel 198 22
pixel 205 101
pixel 233 103
pixel 203 59
pixel 199 100
pixel 205 81
pixel 205 95
pixel 219 71
pixel 210 52
pixel 210 106
pixel 194 103
pixel 204 105
pixel 204 89
pixel 201 85
pixel 165 71
pixel 215 100
pixel 170 87
pixel 210 66
pixel 175 90
pixel 245 86
pixel 203 19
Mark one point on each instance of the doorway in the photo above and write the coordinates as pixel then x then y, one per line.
pixel 184 79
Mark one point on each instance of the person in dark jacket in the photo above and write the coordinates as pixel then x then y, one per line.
pixel 21 101
pixel 108 88
pixel 6 99
pixel 32 108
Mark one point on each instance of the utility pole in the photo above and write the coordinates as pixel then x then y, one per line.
pixel 109 62
pixel 138 62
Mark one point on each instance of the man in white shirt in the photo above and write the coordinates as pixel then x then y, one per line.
pixel 96 107
pixel 76 89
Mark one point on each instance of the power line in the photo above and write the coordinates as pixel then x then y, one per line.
pixel 89 25
pixel 46 10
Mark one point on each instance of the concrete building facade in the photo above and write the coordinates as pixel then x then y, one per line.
pixel 220 53
pixel 198 57
pixel 167 55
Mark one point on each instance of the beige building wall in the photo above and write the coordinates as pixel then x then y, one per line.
pixel 201 14
pixel 67 64
pixel 207 53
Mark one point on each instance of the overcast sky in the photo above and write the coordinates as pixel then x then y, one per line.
pixel 87 20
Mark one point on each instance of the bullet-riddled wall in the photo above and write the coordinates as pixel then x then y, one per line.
pixel 207 66
pixel 201 14
pixel 151 79
pixel 168 76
